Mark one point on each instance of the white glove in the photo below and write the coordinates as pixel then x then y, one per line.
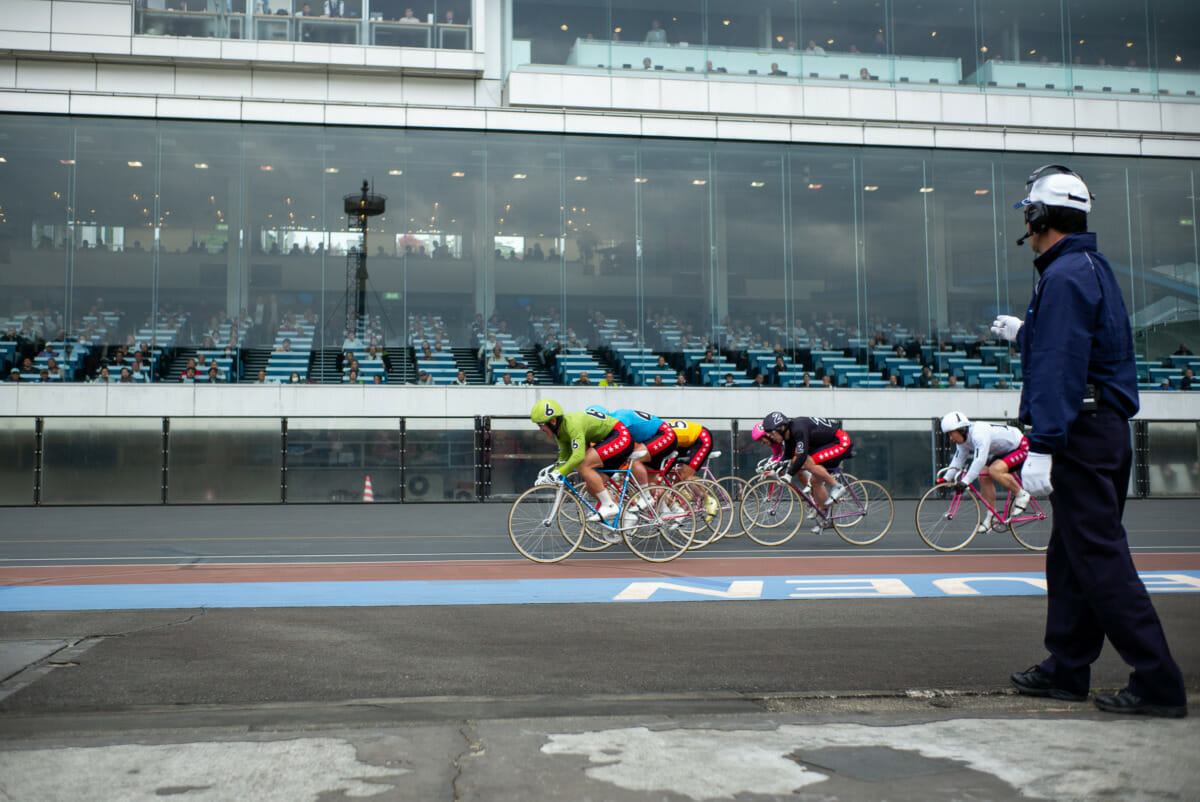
pixel 1006 327
pixel 1035 473
pixel 949 474
pixel 549 475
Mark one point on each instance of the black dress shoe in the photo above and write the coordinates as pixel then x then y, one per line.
pixel 1035 682
pixel 1130 703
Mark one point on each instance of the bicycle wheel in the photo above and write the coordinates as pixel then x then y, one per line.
pixel 1033 526
pixel 538 530
pixel 947 521
pixel 735 490
pixel 864 514
pixel 661 524
pixel 771 511
pixel 593 531
pixel 705 505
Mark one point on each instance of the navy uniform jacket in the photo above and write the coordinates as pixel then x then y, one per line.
pixel 1076 332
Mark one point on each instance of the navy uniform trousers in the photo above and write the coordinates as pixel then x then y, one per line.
pixel 1092 586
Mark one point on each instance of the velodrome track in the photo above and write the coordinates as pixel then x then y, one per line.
pixel 379 554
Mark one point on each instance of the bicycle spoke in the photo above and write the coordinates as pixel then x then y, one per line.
pixel 864 514
pixel 1033 526
pixel 772 511
pixel 540 530
pixel 947 521
pixel 665 524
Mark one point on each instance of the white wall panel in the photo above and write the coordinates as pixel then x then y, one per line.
pixel 264 111
pixel 236 50
pixel 1108 145
pixel 446 118
pixel 1179 148
pixel 214 81
pixel 1141 115
pixel 289 84
pixel 35 102
pixel 366 89
pixel 1044 142
pixel 966 108
pixel 108 105
pixel 8 73
pixel 501 120
pixel 536 89
pixel 490 93
pixel 438 91
pixel 827 102
pixel 85 43
pixel 1096 114
pixel 24 15
pixel 872 104
pixel 970 140
pixel 105 19
pixel 689 128
pixel 1052 112
pixel 633 93
pixel 275 51
pixel 588 91
pixel 175 47
pixel 728 97
pixel 619 124
pixel 199 108
pixel 24 40
pixel 56 75
pixel 779 100
pixel 898 137
pixel 348 55
pixel 416 58
pixel 919 106
pixel 366 115
pixel 829 134
pixel 684 95
pixel 382 57
pixel 1183 118
pixel 752 130
pixel 1009 110
pixel 135 78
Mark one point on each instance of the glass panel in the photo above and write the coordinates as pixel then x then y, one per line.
pixel 519 451
pixel 844 37
pixel 1174 459
pixel 1108 47
pixel 932 36
pixel 332 459
pixel 102 461
pixel 224 461
pixel 18 440
pixel 439 463
pixel 574 32
pixel 1022 44
pixel 1176 48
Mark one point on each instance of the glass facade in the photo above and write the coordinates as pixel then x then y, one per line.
pixel 218 241
pixel 386 23
pixel 1138 46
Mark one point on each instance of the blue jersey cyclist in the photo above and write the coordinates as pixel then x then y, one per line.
pixel 587 442
pixel 649 433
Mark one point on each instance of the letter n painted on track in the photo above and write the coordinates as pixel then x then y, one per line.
pixel 849 588
pixel 740 589
pixel 961 585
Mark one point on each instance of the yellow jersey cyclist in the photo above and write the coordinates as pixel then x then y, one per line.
pixel 694 443
pixel 587 442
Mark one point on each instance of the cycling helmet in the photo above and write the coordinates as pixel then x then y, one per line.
pixel 774 422
pixel 757 432
pixel 598 408
pixel 545 411
pixel 953 421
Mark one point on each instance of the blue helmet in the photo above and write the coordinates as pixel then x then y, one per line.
pixel 600 409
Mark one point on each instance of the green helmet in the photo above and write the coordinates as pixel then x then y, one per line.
pixel 545 410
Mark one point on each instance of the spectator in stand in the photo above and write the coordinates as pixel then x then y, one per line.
pixel 1188 377
pixel 102 377
pixel 377 379
pixel 656 35
pixel 14 375
pixel 461 379
pixel 805 380
pixel 189 373
pixel 126 376
pixel 952 382
pixel 761 380
pixel 658 382
pixel 352 377
pixel 729 382
pixel 1165 384
pixel 285 346
pixel 44 376
pixel 261 378
pixel 826 381
pixel 506 380
pixel 926 379
pixel 295 378
pixel 54 371
pixel 583 379
pixel 609 379
pixel 530 379
pixel 424 377
pixel 1182 350
pixel 214 374
pixel 680 379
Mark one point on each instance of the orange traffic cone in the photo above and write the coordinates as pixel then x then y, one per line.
pixel 368 493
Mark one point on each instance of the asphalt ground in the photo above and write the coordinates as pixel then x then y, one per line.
pixel 833 699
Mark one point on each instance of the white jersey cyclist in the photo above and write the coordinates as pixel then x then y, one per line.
pixel 986 442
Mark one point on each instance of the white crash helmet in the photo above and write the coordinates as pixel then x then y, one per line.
pixel 953 421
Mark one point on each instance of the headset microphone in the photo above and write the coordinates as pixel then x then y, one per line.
pixel 1028 234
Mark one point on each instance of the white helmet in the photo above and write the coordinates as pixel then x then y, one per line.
pixel 953 421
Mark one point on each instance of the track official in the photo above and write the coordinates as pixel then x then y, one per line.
pixel 1079 391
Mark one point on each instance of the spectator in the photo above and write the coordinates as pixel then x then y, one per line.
pixel 1165 384
pixel 729 382
pixel 864 74
pixel 1183 350
pixel 656 35
pixel 806 380
pixel 1186 382
pixel 952 381
pixel 56 373
pixel 425 377
pixel 14 375
pixel 926 380
pixel 531 380
pixel 295 378
pixel 126 376
pixel 775 69
pixel 377 379
pixel 506 380
pixel 583 379
pixel 188 375
pixel 658 382
pixel 647 64
pixel 760 380
pixel 461 379
pixel 261 378
pixel 814 48
pixel 44 375
pixel 214 374
pixel 680 379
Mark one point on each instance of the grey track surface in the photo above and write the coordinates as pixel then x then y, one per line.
pixel 532 701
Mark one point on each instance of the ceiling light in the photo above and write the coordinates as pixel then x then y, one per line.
pixel 134 164
pixel 4 160
pixel 699 182
pixel 870 188
pixel 563 26
pixel 395 172
pixel 725 22
pixel 520 176
pixel 814 186
pixel 641 180
pixel 66 161
pixel 458 174
pixel 933 33
pixel 331 169
pixel 616 30
pixel 983 49
pixel 926 189
pixel 581 178
pixel 200 166
pixel 266 168
pixel 982 191
pixel 757 184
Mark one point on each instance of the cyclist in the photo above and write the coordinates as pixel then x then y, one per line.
pixel 587 442
pixel 650 434
pixel 1003 446
pixel 809 444
pixel 759 436
pixel 694 443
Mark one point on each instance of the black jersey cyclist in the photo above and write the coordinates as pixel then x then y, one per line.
pixel 810 444
pixel 587 442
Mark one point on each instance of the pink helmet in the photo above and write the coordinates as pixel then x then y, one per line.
pixel 757 432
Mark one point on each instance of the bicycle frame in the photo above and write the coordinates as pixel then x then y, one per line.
pixel 823 514
pixel 1032 513
pixel 610 481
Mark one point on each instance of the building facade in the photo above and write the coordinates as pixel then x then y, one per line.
pixel 790 175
